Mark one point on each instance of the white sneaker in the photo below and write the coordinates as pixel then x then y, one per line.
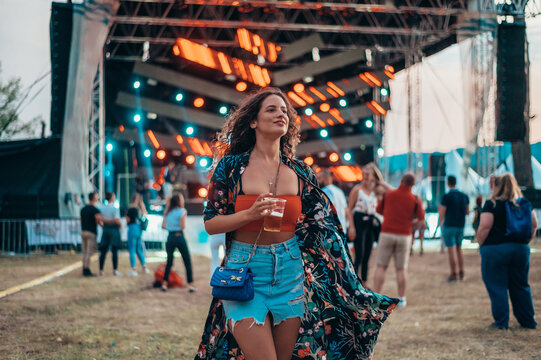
pixel 146 271
pixel 117 273
pixel 132 273
pixel 402 302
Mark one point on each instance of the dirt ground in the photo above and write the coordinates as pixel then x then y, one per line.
pixel 111 317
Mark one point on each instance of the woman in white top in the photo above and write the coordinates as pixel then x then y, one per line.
pixel 174 221
pixel 366 226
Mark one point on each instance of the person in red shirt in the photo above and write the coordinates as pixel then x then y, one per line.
pixel 398 207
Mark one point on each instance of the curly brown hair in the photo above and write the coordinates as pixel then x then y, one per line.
pixel 237 136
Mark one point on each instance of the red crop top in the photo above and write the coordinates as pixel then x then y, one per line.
pixel 291 213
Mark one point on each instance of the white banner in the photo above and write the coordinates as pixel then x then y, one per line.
pixel 53 231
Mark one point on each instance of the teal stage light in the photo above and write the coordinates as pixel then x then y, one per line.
pixel 308 111
pixel 369 124
pixel 146 153
pixel 179 97
pixel 381 152
pixel 323 133
pixel 136 84
pixel 347 156
pixel 343 102
pixel 109 147
pixel 384 92
pixel 189 130
pixel 223 110
pixel 203 162
pixel 137 118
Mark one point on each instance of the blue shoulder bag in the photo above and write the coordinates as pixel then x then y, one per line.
pixel 519 220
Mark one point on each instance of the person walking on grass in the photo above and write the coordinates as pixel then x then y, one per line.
pixel 399 208
pixel 452 214
pixel 91 217
pixel 135 243
pixel 505 255
pixel 110 238
pixel 174 221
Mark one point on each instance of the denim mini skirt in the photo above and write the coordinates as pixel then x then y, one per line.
pixel 278 282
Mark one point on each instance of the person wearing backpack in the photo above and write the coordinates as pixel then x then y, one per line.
pixel 135 219
pixel 506 227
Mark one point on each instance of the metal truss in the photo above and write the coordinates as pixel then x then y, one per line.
pixel 96 134
pixel 385 29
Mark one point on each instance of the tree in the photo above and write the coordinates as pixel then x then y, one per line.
pixel 12 97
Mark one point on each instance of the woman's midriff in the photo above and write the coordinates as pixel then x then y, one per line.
pixel 267 238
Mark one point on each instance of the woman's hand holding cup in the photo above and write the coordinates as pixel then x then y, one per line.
pixel 261 207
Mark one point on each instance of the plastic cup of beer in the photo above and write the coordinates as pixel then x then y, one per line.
pixel 273 221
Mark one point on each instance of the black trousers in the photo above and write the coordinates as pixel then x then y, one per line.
pixel 110 238
pixel 176 240
pixel 367 233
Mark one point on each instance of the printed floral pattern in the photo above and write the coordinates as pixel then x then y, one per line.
pixel 342 319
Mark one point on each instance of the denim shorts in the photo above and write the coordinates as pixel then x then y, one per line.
pixel 278 282
pixel 452 236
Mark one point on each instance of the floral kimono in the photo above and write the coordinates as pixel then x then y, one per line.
pixel 342 319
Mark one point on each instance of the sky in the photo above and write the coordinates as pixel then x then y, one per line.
pixel 24 53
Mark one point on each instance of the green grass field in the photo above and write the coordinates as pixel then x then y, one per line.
pixel 110 317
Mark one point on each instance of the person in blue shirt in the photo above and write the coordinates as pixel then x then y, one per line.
pixel 454 207
pixel 174 221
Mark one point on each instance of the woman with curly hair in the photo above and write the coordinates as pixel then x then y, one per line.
pixel 308 300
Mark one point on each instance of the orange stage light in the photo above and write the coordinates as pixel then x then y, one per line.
pixel 309 160
pixel 202 192
pixel 317 93
pixel 121 128
pixel 336 88
pixel 332 92
pixel 296 98
pixel 241 86
pixel 298 120
pixel 310 122
pixel 217 60
pixel 224 63
pixel 153 139
pixel 272 52
pixel 334 157
pixel 373 77
pixel 390 68
pixel 266 76
pixel 206 147
pixel 324 107
pixel 389 74
pixel 306 97
pixel 366 80
pixel 161 154
pixel 198 102
pixel 345 173
pixel 381 110
pixel 330 122
pixel 180 141
pixel 336 114
pixel 278 48
pixel 190 159
pixel 318 120
pixel 298 87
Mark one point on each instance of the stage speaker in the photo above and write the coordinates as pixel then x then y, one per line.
pixel 60 32
pixel 511 83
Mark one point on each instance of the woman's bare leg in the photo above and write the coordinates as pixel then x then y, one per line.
pixel 285 336
pixel 255 340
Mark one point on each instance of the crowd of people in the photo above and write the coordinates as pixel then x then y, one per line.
pixel 305 278
pixel 109 218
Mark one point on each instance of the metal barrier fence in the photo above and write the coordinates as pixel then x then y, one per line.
pixel 30 236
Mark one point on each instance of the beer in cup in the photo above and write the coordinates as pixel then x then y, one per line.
pixel 273 221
